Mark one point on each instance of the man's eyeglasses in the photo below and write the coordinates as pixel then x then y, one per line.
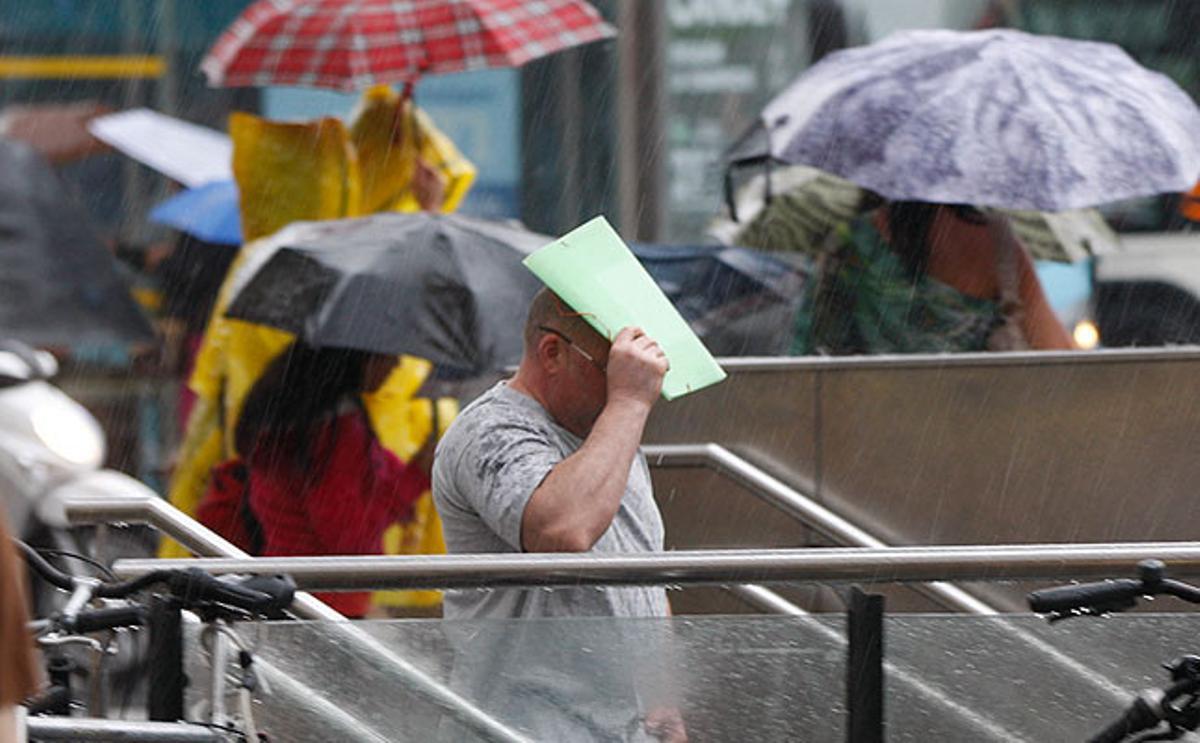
pixel 592 359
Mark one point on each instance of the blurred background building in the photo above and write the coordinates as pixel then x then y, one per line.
pixel 634 128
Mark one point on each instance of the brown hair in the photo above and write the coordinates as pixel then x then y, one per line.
pixel 18 677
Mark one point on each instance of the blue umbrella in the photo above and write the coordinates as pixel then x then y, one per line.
pixel 209 212
pixel 992 118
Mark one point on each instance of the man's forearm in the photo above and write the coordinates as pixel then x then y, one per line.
pixel 577 501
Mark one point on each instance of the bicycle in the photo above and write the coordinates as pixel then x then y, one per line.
pixel 1178 703
pixel 155 602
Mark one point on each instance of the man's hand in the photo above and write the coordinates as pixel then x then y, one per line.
pixel 636 366
pixel 666 724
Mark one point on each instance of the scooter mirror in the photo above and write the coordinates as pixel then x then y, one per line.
pixel 13 369
pixel 47 363
pixel 20 363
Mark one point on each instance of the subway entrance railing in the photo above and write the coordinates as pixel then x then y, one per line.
pixel 948 677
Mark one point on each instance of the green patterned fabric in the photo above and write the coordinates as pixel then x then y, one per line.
pixel 865 303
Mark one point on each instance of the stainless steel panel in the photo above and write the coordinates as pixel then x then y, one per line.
pixel 966 449
pixel 703 509
pixel 1062 451
pixel 1035 453
pixel 766 415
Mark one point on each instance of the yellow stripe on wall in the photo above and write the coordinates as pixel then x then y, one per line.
pixel 117 66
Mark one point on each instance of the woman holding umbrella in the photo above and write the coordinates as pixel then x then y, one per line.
pixel 310 475
pixel 997 119
pixel 918 277
pixel 313 478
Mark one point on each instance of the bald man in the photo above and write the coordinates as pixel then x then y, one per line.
pixel 549 461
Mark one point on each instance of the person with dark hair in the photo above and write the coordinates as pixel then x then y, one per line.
pixel 918 277
pixel 312 477
pixel 190 277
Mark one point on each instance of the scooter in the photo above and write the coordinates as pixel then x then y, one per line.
pixel 51 449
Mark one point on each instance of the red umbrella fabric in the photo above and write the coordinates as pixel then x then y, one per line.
pixel 354 44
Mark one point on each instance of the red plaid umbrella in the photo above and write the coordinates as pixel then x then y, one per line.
pixel 353 44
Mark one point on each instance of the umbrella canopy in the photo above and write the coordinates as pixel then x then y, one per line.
pixel 993 118
pixel 794 208
pixel 739 301
pixel 446 288
pixel 209 212
pixel 59 285
pixel 185 152
pixel 353 44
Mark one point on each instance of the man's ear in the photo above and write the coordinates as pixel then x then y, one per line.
pixel 550 353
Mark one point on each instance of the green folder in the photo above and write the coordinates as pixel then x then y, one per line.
pixel 594 272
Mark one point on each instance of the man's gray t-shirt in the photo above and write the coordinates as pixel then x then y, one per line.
pixel 494 456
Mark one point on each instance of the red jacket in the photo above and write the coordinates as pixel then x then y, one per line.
pixel 342 508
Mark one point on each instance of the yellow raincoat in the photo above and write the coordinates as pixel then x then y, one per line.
pixel 316 170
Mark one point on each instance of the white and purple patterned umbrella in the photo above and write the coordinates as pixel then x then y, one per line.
pixel 992 118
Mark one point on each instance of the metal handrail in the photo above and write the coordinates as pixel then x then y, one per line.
pixel 78 729
pixel 716 567
pixel 203 541
pixel 767 601
pixel 815 516
pixel 862 564
pixel 801 507
pixel 723 567
pixel 958 360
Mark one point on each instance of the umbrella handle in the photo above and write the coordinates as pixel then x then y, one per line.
pixel 768 194
pixel 409 95
pixel 407 101
pixel 729 200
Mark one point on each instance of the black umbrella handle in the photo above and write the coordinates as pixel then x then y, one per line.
pixel 729 200
pixel 768 191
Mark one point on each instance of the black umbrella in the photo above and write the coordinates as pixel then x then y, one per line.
pixel 446 288
pixel 739 301
pixel 58 283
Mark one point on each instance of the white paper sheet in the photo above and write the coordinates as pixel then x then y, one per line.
pixel 183 151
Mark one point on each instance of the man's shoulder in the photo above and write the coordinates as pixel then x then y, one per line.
pixel 492 419
pixel 492 400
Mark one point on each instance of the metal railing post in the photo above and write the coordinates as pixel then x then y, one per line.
pixel 864 668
